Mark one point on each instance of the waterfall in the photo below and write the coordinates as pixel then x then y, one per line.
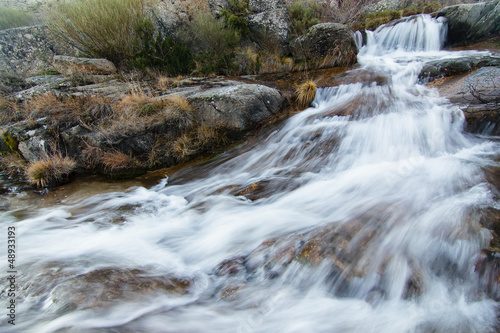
pixel 360 214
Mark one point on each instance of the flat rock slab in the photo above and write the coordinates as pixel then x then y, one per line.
pixel 70 65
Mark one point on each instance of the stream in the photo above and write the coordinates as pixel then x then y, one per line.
pixel 361 214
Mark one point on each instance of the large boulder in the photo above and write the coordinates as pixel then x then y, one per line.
pixel 326 45
pixel 28 50
pixel 468 23
pixel 238 107
pixel 269 23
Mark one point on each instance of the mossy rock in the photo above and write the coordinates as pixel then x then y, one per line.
pixel 8 144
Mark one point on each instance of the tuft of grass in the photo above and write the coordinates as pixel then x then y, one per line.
pixel 116 160
pixel 305 93
pixel 199 140
pixel 163 82
pixel 9 111
pixel 178 102
pixel 14 18
pixel 50 170
pixel 101 28
pixel 13 164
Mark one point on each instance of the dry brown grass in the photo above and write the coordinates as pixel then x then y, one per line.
pixel 50 170
pixel 184 147
pixel 305 93
pixel 65 111
pixel 178 102
pixel 13 164
pixel 133 113
pixel 116 160
pixel 9 111
pixel 201 139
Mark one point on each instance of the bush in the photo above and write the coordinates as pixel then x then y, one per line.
pixel 303 15
pixel 120 31
pixel 235 16
pixel 9 111
pixel 216 42
pixel 162 52
pixel 13 18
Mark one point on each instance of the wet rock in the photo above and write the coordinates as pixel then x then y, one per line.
pixel 101 287
pixel 326 45
pixel 478 94
pixel 70 65
pixel 468 23
pixel 231 267
pixel 449 67
pixel 488 270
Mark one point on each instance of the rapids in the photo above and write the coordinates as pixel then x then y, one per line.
pixel 391 156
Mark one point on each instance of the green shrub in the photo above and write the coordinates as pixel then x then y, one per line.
pixel 99 28
pixel 162 52
pixel 216 42
pixel 234 17
pixel 431 7
pixel 411 10
pixel 13 18
pixel 374 20
pixel 209 62
pixel 213 34
pixel 303 15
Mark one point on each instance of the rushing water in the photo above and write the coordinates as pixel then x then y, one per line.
pixel 386 166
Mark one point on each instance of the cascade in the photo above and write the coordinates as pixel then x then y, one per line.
pixel 359 214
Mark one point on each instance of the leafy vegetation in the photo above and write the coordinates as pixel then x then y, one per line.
pixel 234 17
pixel 216 42
pixel 163 53
pixel 303 15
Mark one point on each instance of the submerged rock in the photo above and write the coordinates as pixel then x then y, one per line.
pixel 102 287
pixel 337 249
